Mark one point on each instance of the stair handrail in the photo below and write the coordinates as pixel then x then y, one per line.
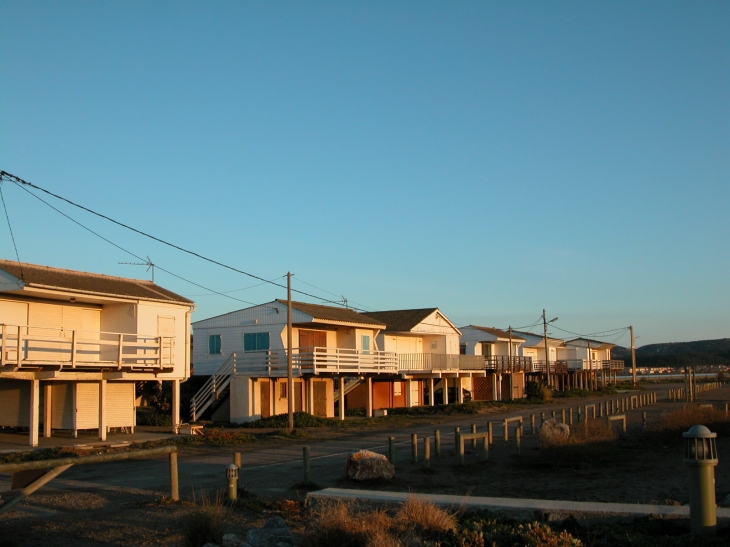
pixel 210 390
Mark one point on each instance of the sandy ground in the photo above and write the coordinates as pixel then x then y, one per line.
pixel 123 504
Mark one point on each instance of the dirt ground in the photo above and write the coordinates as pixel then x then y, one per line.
pixel 626 471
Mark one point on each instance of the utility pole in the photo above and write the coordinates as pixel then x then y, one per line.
pixel 289 362
pixel 633 354
pixel 510 345
pixel 547 351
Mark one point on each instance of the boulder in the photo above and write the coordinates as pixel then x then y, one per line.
pixel 551 431
pixel 363 465
pixel 275 533
pixel 231 540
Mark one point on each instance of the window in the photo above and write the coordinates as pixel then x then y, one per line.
pixel 283 393
pixel 462 349
pixel 365 343
pixel 214 344
pixel 397 389
pixel 255 341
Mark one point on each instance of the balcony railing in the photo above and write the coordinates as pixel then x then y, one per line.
pixel 442 362
pixel 354 362
pixel 577 365
pixel 25 347
pixel 316 360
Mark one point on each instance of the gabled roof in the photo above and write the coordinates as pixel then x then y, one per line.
pixel 401 320
pixel 46 277
pixel 332 313
pixel 592 344
pixel 532 336
pixel 498 333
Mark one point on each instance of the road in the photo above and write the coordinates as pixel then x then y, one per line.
pixel 270 468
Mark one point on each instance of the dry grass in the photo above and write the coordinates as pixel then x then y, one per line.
pixel 423 517
pixel 589 442
pixel 207 521
pixel 346 524
pixel 668 429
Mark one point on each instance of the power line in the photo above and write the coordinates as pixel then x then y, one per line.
pixel 130 252
pixel 17 180
pixel 600 334
pixel 12 236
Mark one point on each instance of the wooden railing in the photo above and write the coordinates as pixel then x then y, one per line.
pixel 40 347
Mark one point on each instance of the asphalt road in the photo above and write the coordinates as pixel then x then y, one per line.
pixel 271 468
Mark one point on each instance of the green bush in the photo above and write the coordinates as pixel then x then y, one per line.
pixel 301 419
pixel 150 416
pixel 538 391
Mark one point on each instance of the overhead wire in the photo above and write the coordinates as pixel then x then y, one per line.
pixel 130 252
pixel 12 236
pixel 19 181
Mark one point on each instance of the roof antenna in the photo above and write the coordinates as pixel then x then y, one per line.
pixel 149 264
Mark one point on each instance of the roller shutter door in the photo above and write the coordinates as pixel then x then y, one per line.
pixel 15 403
pixel 119 404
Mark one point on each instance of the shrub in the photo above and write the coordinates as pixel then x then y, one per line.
pixel 301 419
pixel 343 524
pixel 487 532
pixel 538 391
pixel 150 416
pixel 206 523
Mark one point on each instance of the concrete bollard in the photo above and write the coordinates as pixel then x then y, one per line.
pixel 700 455
pixel 600 410
pixel 486 448
pixel 473 430
pixel 232 476
pixel 460 450
pixel 414 447
pixel 533 431
pixel 490 432
pixel 391 450
pixel 307 469
pixel 427 452
pixel 437 442
pixel 562 419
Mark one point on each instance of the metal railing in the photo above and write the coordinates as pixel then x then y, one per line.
pixel 440 362
pixel 37 347
pixel 564 366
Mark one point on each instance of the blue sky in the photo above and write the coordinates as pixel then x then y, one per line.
pixel 489 158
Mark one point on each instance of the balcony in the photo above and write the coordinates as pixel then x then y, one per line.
pixel 316 360
pixel 439 362
pixel 33 348
pixel 577 365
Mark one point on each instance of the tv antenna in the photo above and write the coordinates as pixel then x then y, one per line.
pixel 150 266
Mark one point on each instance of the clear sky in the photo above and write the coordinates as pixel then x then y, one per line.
pixel 488 158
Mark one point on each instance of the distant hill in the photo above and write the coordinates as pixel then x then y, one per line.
pixel 679 354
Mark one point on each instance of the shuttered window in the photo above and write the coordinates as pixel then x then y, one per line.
pixel 214 344
pixel 255 341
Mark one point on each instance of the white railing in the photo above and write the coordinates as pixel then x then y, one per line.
pixel 564 366
pixel 34 347
pixel 216 386
pixel 441 362
pixel 315 360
